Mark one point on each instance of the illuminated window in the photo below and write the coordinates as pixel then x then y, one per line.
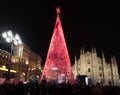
pixel 2 55
pixel 16 60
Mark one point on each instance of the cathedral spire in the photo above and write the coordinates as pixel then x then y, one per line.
pixel 94 49
pixel 75 66
pixel 103 56
pixel 83 50
pixel 113 60
pixel 75 58
pixel 80 51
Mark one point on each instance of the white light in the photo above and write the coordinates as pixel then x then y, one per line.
pixel 37 76
pixel 23 73
pixel 8 40
pixel 15 42
pixel 17 37
pixel 4 35
pixel 9 33
pixel 9 37
pixel 19 42
pixel 54 68
pixel 62 74
pixel 86 80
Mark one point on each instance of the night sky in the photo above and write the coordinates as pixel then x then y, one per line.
pixel 82 27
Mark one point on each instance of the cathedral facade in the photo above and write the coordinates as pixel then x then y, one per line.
pixel 96 68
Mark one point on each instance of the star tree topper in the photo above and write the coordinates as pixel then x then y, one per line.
pixel 58 10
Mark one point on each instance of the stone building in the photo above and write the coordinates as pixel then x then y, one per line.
pixel 24 63
pixel 96 68
pixel 5 60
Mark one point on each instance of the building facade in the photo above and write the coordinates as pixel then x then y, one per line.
pixel 97 69
pixel 24 63
pixel 5 61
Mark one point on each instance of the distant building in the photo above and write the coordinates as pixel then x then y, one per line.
pixel 5 59
pixel 24 63
pixel 96 69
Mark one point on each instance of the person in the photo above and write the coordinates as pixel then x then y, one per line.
pixel 2 91
pixel 43 81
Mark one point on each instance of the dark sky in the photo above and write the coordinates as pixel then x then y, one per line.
pixel 82 27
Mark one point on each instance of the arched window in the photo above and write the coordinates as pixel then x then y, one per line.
pixel 89 70
pixel 88 61
pixel 100 68
pixel 100 74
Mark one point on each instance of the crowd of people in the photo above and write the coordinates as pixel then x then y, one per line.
pixel 52 88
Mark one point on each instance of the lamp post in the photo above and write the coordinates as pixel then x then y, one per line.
pixel 13 40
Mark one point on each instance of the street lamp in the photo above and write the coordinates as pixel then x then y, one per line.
pixel 13 40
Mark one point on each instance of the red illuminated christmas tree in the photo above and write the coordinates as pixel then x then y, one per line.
pixel 57 66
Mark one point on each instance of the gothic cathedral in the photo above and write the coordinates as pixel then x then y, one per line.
pixel 96 69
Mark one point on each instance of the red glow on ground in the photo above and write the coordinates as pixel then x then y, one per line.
pixel 57 65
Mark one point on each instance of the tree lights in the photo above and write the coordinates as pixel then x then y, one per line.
pixel 57 66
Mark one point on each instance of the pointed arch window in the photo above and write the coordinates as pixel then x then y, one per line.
pixel 100 74
pixel 88 61
pixel 89 70
pixel 100 68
